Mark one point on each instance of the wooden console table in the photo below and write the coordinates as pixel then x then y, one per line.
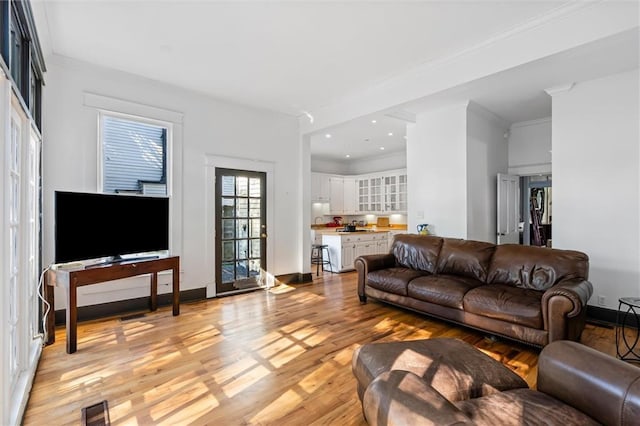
pixel 70 280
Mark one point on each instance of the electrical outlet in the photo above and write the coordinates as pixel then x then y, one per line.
pixel 602 301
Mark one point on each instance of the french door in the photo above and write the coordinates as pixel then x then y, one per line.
pixel 240 230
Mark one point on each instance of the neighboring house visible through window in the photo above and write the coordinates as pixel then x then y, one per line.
pixel 134 156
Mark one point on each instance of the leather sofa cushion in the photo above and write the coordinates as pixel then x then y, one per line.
pixel 392 280
pixel 417 251
pixel 465 258
pixel 506 303
pixel 522 407
pixel 445 290
pixel 536 268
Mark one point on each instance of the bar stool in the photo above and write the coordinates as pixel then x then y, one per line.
pixel 317 257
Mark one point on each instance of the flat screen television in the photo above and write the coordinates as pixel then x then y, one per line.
pixel 91 226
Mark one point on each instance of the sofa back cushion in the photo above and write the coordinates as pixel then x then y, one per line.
pixel 536 268
pixel 418 252
pixel 465 257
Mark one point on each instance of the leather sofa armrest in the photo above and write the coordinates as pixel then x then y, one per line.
pixel 577 290
pixel 400 397
pixel 369 263
pixel 601 386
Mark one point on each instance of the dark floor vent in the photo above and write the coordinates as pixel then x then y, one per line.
pixel 96 415
pixel 132 317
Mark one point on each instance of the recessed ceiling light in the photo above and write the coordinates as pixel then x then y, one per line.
pixel 348 156
pixel 390 134
pixel 328 135
pixel 374 121
pixel 382 148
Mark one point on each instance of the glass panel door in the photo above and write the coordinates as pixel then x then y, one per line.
pixel 240 229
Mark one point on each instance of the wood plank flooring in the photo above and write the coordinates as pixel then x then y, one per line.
pixel 280 357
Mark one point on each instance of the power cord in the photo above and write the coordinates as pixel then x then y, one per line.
pixel 40 290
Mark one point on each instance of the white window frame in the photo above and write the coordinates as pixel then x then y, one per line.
pixel 168 147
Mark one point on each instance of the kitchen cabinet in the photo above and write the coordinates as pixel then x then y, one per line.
pixel 349 206
pixel 344 248
pixel 336 195
pixel 378 193
pixel 395 193
pixel 342 193
pixel 320 187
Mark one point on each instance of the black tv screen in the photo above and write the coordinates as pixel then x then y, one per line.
pixel 90 226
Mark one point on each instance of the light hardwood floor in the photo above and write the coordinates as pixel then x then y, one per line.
pixel 280 357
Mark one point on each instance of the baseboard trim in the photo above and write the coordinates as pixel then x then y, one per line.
pixel 601 316
pixel 120 307
pixel 295 278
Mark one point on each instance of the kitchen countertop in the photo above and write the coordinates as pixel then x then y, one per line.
pixel 327 230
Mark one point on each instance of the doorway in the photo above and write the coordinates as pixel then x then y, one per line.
pixel 537 209
pixel 240 230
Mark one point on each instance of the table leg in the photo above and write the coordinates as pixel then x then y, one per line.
pixel 72 320
pixel 176 288
pixel 154 292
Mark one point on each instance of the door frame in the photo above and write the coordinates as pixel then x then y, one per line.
pixel 211 163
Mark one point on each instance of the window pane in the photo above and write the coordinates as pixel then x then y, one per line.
pixel 228 272
pixel 254 207
pixel 254 230
pixel 242 269
pixel 228 252
pixel 242 230
pixel 228 184
pixel 254 187
pixel 255 248
pixel 228 228
pixel 227 207
pixel 134 156
pixel 243 207
pixel 254 267
pixel 242 189
pixel 243 249
pixel 15 48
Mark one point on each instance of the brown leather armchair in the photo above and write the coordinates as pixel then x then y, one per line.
pixel 576 385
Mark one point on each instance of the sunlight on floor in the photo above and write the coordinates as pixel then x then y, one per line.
pixel 286 402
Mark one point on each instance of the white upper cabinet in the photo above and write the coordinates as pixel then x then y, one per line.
pixel 320 187
pixel 336 195
pixel 382 193
pixel 349 195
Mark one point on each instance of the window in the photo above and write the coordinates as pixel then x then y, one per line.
pixel 16 49
pixel 134 156
pixel 21 56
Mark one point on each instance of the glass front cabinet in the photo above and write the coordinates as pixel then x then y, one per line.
pixel 384 193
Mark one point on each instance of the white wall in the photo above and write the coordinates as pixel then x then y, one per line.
pixel 211 127
pixel 486 157
pixel 379 163
pixel 437 171
pixel 596 172
pixel 530 147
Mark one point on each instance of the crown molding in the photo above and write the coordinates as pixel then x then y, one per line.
pixel 552 91
pixel 531 122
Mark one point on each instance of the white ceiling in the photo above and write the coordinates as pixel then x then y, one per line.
pixel 295 56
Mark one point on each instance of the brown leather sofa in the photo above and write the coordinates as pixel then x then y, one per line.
pixel 576 385
pixel 534 295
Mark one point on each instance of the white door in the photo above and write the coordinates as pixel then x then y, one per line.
pixel 508 208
